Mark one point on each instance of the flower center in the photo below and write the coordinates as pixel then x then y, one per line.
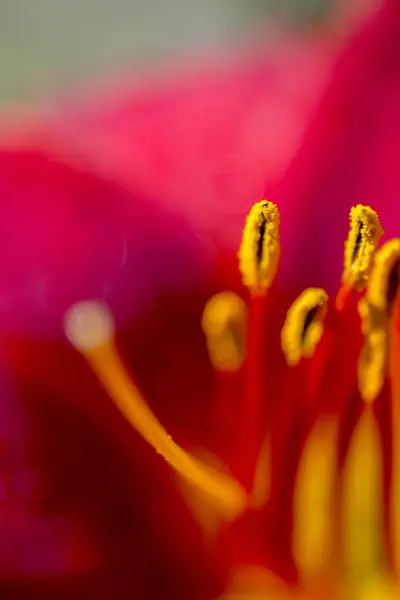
pixel 321 465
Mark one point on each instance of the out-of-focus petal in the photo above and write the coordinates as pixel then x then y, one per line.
pixel 67 233
pixel 209 141
pixel 349 152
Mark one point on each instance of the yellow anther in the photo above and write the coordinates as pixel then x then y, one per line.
pixel 224 323
pixel 380 293
pixel 90 328
pixel 260 248
pixel 360 246
pixel 376 313
pixel 304 325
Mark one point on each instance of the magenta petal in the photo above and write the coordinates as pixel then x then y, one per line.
pixel 349 154
pixel 213 141
pixel 67 233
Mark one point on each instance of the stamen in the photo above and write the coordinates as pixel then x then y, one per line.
pixel 394 374
pixel 314 502
pixel 376 311
pixel 303 326
pixel 382 287
pixel 258 262
pixel 224 323
pixel 209 520
pixel 260 248
pixel 360 246
pixel 90 328
pixel 362 500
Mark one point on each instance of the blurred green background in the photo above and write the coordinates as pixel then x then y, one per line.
pixel 49 45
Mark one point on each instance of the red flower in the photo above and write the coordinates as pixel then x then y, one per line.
pixel 123 523
pixel 262 506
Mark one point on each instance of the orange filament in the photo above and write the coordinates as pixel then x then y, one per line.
pixel 258 262
pixel 89 327
pixel 209 519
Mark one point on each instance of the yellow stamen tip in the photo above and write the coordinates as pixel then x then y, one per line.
pixel 224 324
pixel 88 325
pixel 360 246
pixel 304 325
pixel 260 248
pixel 90 328
pixel 375 310
pixel 379 293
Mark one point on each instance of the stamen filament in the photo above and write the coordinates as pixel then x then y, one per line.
pixel 258 255
pixel 314 502
pixel 394 373
pixel 362 500
pixel 250 424
pixel 89 327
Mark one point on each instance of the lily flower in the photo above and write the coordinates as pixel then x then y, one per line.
pixel 246 517
pixel 85 230
pixel 309 492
